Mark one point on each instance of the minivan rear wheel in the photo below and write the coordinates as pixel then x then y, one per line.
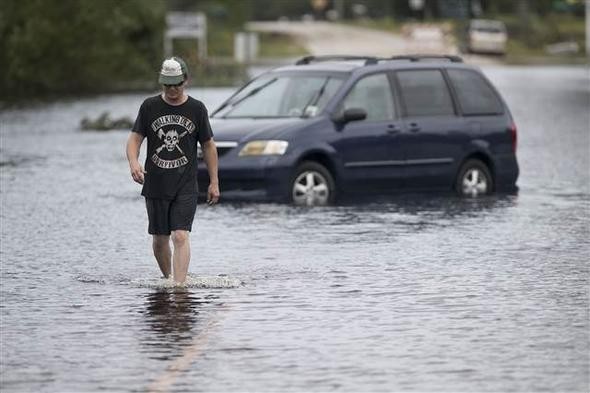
pixel 312 185
pixel 474 179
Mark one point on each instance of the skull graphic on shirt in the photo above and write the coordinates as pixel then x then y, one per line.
pixel 170 130
pixel 171 140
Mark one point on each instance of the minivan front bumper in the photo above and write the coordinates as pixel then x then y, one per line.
pixel 253 177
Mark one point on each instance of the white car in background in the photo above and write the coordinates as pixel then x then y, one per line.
pixel 487 36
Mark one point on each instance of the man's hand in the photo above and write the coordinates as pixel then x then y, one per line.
pixel 137 172
pixel 213 194
pixel 210 156
pixel 133 144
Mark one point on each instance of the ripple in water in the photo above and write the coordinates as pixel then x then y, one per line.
pixel 192 281
pixel 208 282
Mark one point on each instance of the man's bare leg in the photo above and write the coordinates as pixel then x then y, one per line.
pixel 163 253
pixel 182 255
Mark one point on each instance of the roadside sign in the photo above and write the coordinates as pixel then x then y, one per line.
pixel 186 25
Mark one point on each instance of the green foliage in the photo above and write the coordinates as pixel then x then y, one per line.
pixel 218 73
pixel 280 45
pixel 536 32
pixel 220 38
pixel 78 46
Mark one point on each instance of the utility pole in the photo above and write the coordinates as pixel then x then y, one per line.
pixel 588 28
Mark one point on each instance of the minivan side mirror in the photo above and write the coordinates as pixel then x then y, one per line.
pixel 350 114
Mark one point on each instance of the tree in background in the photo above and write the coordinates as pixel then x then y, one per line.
pixel 78 46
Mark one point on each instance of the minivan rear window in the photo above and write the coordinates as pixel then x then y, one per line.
pixel 476 97
pixel 425 93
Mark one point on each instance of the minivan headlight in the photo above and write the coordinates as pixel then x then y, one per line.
pixel 259 148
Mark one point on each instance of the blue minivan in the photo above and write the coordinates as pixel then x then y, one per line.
pixel 334 125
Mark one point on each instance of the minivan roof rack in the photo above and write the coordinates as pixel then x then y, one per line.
pixel 413 58
pixel 309 59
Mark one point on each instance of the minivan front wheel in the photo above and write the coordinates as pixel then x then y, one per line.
pixel 474 179
pixel 312 185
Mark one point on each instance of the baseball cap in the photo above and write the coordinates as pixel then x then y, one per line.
pixel 173 71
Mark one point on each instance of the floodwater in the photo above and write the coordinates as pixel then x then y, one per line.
pixel 405 293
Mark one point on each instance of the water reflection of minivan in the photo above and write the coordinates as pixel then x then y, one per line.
pixel 335 125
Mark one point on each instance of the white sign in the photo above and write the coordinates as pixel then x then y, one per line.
pixel 186 25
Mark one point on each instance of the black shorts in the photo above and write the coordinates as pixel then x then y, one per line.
pixel 170 215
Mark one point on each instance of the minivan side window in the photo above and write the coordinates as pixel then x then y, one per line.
pixel 475 95
pixel 373 94
pixel 425 93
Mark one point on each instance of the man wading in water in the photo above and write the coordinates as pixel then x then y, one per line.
pixel 173 123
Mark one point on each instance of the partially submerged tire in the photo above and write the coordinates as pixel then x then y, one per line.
pixel 474 179
pixel 312 185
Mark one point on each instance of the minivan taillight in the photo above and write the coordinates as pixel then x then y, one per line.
pixel 513 136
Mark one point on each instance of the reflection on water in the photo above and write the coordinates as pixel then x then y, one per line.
pixel 390 293
pixel 171 313
pixel 172 316
pixel 440 205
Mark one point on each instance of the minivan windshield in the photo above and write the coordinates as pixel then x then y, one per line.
pixel 286 95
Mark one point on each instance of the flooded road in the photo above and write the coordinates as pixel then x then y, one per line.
pixel 404 293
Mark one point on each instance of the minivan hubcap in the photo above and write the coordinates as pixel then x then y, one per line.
pixel 311 188
pixel 474 183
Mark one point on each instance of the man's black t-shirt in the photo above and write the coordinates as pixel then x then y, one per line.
pixel 172 133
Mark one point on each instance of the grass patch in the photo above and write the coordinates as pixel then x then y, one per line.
pixel 531 38
pixel 280 45
pixel 217 73
pixel 220 41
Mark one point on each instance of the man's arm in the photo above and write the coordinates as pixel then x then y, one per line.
pixel 133 145
pixel 210 156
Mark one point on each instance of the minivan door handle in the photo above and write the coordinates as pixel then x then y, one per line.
pixel 393 129
pixel 414 127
